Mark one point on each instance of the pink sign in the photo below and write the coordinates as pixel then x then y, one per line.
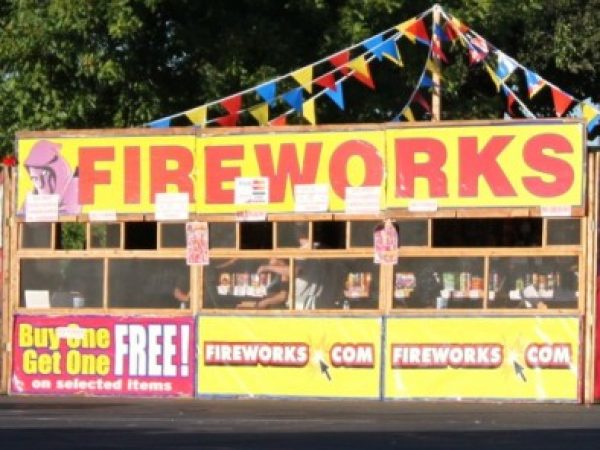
pixel 103 355
pixel 197 243
pixel 385 242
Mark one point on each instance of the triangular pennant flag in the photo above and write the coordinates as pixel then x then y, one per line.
pixel 232 104
pixel 432 67
pixel 279 121
pixel 361 71
pixel 591 116
pixel 389 49
pixel 326 81
pixel 510 98
pixel 454 28
pixel 478 49
pixel 562 101
pixel 308 110
pixel 403 27
pixel 493 76
pixel 197 116
pixel 421 101
pixel 418 30
pixel 506 66
pixel 340 60
pixel 439 32
pixel 229 120
pixel 436 49
pixel 304 77
pixel 534 83
pixel 260 113
pixel 161 123
pixel 408 114
pixel 426 82
pixel 294 98
pixel 268 92
pixel 336 95
pixel 373 45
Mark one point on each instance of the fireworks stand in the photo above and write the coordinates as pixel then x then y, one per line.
pixel 448 261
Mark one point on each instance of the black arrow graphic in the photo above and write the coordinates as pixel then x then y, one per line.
pixel 520 371
pixel 324 369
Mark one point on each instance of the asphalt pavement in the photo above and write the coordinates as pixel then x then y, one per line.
pixel 266 424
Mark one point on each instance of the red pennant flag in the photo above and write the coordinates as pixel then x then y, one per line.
pixel 229 120
pixel 510 101
pixel 454 28
pixel 562 101
pixel 421 101
pixel 436 49
pixel 340 60
pixel 326 81
pixel 232 104
pixel 279 121
pixel 418 30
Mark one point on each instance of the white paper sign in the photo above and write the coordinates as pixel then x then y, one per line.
pixel 70 332
pixel 311 197
pixel 556 211
pixel 41 208
pixel 37 299
pixel 423 206
pixel 172 206
pixel 251 216
pixel 196 243
pixel 102 216
pixel 363 199
pixel 251 191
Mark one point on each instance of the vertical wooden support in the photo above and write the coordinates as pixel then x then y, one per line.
pixel 591 243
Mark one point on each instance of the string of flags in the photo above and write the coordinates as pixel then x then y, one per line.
pixel 273 102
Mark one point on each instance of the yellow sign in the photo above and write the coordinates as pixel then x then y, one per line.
pixel 277 356
pixel 501 165
pixel 482 358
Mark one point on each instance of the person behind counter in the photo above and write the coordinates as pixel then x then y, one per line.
pixel 278 288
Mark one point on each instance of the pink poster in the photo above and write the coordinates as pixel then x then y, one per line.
pixel 197 243
pixel 103 355
pixel 385 242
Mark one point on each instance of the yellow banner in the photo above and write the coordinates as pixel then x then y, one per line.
pixel 304 357
pixel 482 358
pixel 335 158
pixel 502 165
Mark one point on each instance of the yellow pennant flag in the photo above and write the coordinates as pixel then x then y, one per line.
pixel 588 112
pixel 260 113
pixel 433 68
pixel 304 77
pixel 360 66
pixel 408 114
pixel 402 29
pixel 308 110
pixel 197 116
pixel 494 77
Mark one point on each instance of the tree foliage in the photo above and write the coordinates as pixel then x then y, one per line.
pixel 121 63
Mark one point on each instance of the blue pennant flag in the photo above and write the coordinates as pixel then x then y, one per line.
pixel 161 123
pixel 373 45
pixel 337 96
pixel 390 49
pixel 426 81
pixel 294 98
pixel 268 92
pixel 506 66
pixel 439 32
